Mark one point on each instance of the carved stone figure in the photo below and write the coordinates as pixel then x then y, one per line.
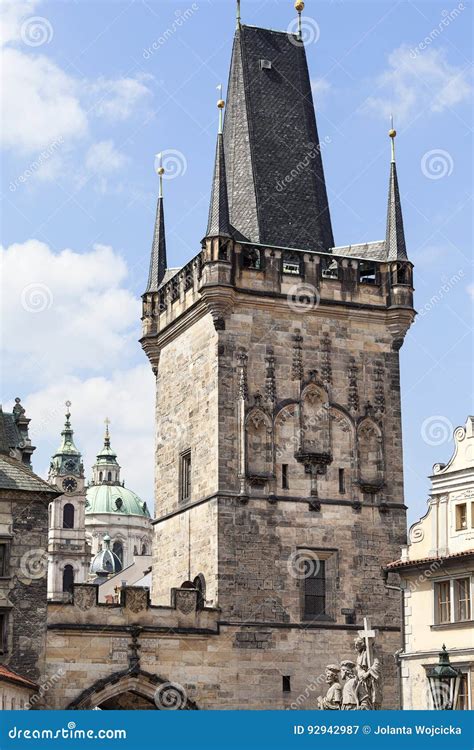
pixel 368 671
pixel 354 692
pixel 332 700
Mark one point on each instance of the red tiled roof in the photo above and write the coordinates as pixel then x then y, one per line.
pixel 423 560
pixel 8 674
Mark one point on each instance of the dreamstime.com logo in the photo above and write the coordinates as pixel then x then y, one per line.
pixel 71 732
pixel 303 297
pixel 170 696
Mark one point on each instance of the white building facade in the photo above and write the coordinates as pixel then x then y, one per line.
pixel 437 572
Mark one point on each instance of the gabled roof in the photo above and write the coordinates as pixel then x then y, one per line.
pixel 10 676
pixel 275 179
pixel 14 475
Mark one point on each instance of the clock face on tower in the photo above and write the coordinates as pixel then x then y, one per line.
pixel 69 484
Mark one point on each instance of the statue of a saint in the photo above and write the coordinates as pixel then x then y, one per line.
pixel 354 692
pixel 368 672
pixel 333 698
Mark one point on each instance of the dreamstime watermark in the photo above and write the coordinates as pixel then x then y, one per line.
pixel 310 31
pixel 170 696
pixel 436 164
pixel 34 564
pixel 448 16
pixel 303 297
pixel 436 430
pixel 36 297
pixel 35 165
pixel 414 584
pixel 173 162
pixel 36 31
pixel 45 687
pixel 310 688
pixel 312 153
pixel 181 18
pixel 441 293
pixel 303 564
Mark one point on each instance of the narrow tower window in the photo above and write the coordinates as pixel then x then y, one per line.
pixel 185 476
pixel 284 477
pixel 286 683
pixel 315 589
pixel 68 579
pixel 68 516
pixel 342 482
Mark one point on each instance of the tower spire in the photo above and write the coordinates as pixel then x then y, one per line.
pixel 395 245
pixel 238 15
pixel 218 224
pixel 158 262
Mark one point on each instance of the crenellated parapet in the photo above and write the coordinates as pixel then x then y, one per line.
pixel 225 268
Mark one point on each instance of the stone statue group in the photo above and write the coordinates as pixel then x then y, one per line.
pixel 355 686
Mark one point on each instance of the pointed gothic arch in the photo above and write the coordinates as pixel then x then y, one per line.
pixel 315 423
pixel 370 454
pixel 290 475
pixel 258 435
pixel 341 473
pixel 120 688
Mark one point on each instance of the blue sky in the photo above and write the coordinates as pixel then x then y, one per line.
pixel 93 90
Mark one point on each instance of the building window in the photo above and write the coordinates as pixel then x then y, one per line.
pixel 286 683
pixel 291 264
pixel 68 516
pixel 329 268
pixel 100 476
pixel 462 599
pixel 117 549
pixel 185 476
pixel 461 516
pixel 367 272
pixel 200 585
pixel 3 632
pixel 284 477
pixel 4 550
pixel 342 482
pixel 109 476
pixel 68 579
pixel 463 694
pixel 314 589
pixel 443 602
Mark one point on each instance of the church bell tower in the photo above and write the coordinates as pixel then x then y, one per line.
pixel 69 555
pixel 279 482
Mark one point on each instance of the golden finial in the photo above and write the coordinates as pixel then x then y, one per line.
pixel 299 7
pixel 220 106
pixel 392 134
pixel 160 171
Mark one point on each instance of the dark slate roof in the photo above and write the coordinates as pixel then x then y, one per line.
pixel 275 179
pixel 10 437
pixel 395 239
pixel 218 224
pixel 158 250
pixel 14 475
pixel 365 251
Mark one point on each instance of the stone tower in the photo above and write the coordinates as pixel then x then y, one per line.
pixel 69 555
pixel 279 482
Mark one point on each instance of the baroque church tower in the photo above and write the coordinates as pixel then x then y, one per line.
pixel 68 553
pixel 279 481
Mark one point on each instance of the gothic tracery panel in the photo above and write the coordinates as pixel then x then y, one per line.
pixel 369 444
pixel 315 421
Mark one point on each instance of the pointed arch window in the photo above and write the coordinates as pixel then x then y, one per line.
pixel 200 585
pixel 100 476
pixel 68 516
pixel 109 476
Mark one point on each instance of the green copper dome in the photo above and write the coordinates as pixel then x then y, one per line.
pixel 109 498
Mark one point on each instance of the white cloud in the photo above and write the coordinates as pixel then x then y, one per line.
pixel 415 83
pixel 40 103
pixel 67 312
pixel 320 87
pixel 117 100
pixel 103 158
pixel 12 13
pixel 125 396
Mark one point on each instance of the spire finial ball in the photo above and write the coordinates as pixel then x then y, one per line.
pixel 221 104
pixel 299 6
pixel 392 133
pixel 161 170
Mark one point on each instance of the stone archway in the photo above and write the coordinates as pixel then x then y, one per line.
pixel 133 690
